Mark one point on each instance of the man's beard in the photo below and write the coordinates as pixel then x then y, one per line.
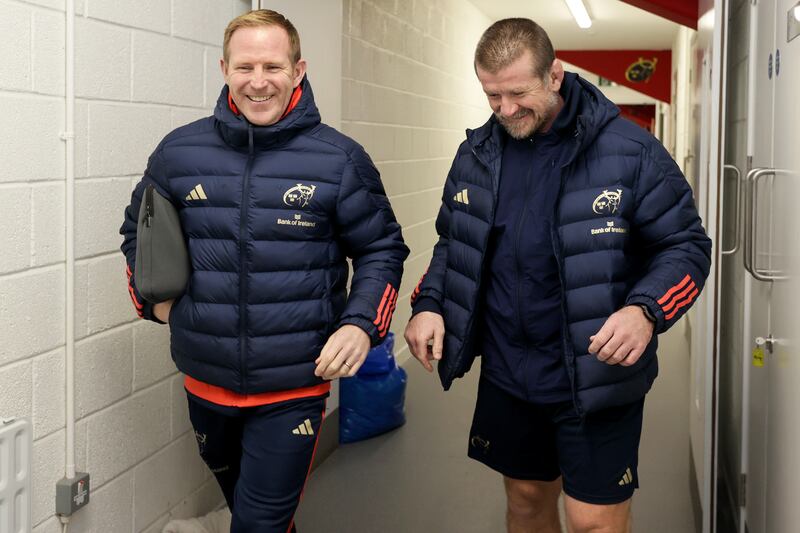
pixel 519 130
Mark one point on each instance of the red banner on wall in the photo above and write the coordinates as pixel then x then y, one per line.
pixel 646 71
pixel 684 12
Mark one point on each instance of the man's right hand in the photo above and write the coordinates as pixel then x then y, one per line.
pixel 421 329
pixel 162 309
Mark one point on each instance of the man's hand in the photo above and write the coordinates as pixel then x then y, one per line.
pixel 162 309
pixel 343 354
pixel 420 330
pixel 623 337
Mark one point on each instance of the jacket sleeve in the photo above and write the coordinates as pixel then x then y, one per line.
pixel 152 175
pixel 429 293
pixel 370 235
pixel 670 238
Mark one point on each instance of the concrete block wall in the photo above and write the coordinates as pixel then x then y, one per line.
pixel 409 92
pixel 142 69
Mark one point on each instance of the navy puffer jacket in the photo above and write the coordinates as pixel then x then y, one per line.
pixel 626 232
pixel 270 215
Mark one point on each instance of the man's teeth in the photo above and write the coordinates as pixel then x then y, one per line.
pixel 259 98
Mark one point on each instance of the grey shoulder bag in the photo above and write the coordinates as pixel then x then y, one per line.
pixel 162 260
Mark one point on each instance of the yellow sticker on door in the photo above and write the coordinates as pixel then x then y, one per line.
pixel 758 357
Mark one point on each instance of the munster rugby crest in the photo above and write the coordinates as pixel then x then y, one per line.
pixel 299 195
pixel 608 202
pixel 641 71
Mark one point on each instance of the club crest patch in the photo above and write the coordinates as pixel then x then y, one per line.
pixel 608 202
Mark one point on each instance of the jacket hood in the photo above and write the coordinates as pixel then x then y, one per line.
pixel 585 113
pixel 235 129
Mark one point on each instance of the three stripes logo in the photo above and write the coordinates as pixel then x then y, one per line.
pixel 196 194
pixel 304 428
pixel 462 197
pixel 627 478
pixel 418 288
pixel 385 310
pixel 678 296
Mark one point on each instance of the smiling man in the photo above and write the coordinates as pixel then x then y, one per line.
pixel 272 202
pixel 568 238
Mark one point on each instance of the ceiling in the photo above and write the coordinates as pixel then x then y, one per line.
pixel 615 24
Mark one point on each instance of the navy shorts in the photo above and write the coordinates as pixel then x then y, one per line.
pixel 596 457
pixel 261 457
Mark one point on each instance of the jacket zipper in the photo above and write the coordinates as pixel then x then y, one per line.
pixel 148 205
pixel 243 262
pixel 517 268
pixel 569 356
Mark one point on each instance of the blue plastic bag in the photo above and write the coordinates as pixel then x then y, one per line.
pixel 373 401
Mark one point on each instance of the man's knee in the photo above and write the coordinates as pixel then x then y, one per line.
pixel 531 498
pixel 594 518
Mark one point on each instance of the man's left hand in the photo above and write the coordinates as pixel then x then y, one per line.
pixel 343 354
pixel 623 338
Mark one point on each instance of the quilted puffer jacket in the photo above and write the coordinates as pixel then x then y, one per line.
pixel 626 232
pixel 270 215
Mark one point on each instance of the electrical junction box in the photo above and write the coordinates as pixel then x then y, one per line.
pixel 72 494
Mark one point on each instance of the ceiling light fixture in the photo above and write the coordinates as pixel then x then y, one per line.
pixel 580 14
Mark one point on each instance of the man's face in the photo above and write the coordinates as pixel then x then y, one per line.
pixel 260 74
pixel 522 102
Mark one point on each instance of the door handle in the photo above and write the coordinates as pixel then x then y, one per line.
pixel 738 208
pixel 753 177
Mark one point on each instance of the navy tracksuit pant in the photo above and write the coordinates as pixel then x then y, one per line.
pixel 261 457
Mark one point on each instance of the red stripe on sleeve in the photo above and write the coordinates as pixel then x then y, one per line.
pixel 684 303
pixel 384 299
pixel 678 297
pixel 674 289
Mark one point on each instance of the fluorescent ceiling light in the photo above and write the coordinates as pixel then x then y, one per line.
pixel 578 11
pixel 796 12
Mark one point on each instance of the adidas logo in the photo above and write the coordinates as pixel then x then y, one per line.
pixel 304 428
pixel 462 197
pixel 627 478
pixel 197 193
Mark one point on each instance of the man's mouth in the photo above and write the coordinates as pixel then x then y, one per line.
pixel 258 98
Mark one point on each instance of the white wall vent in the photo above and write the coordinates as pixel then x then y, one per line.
pixel 15 476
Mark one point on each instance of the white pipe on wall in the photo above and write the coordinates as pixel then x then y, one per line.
pixel 69 138
pixel 254 4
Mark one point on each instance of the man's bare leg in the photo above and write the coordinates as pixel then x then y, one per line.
pixel 585 517
pixel 532 506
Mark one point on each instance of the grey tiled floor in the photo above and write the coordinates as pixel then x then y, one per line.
pixel 418 478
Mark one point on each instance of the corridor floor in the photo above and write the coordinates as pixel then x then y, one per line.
pixel 418 479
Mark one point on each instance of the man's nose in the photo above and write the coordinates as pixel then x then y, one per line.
pixel 258 79
pixel 508 108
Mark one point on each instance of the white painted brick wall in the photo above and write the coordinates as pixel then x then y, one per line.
pixel 151 357
pixel 48 408
pixel 128 432
pixel 47 67
pixel 179 471
pixel 15 27
pixel 142 68
pixel 102 71
pixel 103 369
pixel 167 70
pixel 409 92
pixel 99 203
pixel 122 137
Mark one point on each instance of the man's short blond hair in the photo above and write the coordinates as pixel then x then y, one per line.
pixel 263 17
pixel 506 40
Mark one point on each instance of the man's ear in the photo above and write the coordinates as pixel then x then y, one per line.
pixel 224 68
pixel 298 72
pixel 556 75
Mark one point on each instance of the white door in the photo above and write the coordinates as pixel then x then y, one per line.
pixel 756 249
pixel 783 434
pixel 773 438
